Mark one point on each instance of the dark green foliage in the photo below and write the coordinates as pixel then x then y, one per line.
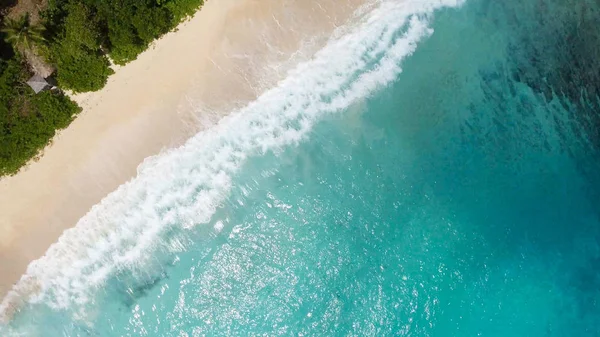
pixel 133 24
pixel 181 9
pixel 122 28
pixel 81 71
pixel 21 34
pixel 161 23
pixel 125 45
pixel 10 73
pixel 75 50
pixel 27 121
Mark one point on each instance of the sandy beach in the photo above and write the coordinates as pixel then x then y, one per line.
pixel 222 58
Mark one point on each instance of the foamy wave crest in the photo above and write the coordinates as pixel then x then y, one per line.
pixel 183 187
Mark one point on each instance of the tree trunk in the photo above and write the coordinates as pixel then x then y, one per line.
pixel 37 64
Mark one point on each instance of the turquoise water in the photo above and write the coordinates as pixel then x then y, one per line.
pixel 459 197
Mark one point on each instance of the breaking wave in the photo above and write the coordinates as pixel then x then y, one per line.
pixel 183 188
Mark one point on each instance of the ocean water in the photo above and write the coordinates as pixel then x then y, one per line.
pixel 433 171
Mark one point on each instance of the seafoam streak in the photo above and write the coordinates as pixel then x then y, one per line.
pixel 183 187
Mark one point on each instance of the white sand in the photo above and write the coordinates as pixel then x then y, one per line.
pixel 222 58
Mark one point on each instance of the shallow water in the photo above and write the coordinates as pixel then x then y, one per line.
pixel 452 191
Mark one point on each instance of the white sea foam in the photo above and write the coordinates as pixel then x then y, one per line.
pixel 183 187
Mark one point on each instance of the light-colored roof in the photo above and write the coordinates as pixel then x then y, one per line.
pixel 38 83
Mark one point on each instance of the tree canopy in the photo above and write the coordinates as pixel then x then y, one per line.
pixel 27 121
pixel 21 34
pixel 84 34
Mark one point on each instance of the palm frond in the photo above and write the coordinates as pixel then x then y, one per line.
pixel 21 34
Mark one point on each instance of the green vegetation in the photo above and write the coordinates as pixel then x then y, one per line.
pixel 27 121
pixel 21 34
pixel 78 38
pixel 83 34
pixel 75 51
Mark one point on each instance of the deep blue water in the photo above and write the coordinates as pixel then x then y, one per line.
pixel 461 199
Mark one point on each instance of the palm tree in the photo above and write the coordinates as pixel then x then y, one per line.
pixel 21 34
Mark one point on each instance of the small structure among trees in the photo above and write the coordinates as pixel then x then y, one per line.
pixel 38 83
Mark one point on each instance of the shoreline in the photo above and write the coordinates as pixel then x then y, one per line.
pixel 222 58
